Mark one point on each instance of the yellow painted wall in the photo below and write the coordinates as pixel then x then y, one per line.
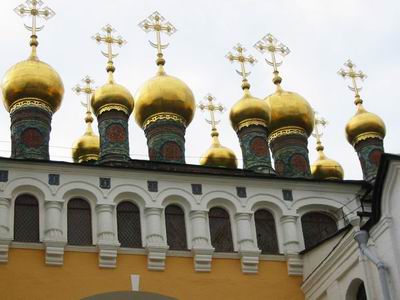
pixel 27 277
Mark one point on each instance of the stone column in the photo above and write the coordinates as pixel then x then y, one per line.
pixel 255 150
pixel 114 139
pixel 248 251
pixel 291 244
pixel 106 240
pixel 30 132
pixel 369 153
pixel 53 234
pixel 5 236
pixel 155 242
pixel 290 153
pixel 201 246
pixel 166 140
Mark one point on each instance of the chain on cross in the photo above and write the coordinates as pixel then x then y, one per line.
pixel 319 123
pixel 110 41
pixel 86 89
pixel 211 107
pixel 240 57
pixel 157 23
pixel 353 75
pixel 270 44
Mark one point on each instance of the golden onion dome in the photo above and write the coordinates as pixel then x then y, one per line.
pixel 87 147
pixel 218 155
pixel 325 168
pixel 112 96
pixel 289 109
pixel 164 94
pixel 249 110
pixel 364 125
pixel 32 80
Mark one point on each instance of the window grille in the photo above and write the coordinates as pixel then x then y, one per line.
pixel 79 219
pixel 220 230
pixel 176 229
pixel 128 224
pixel 266 232
pixel 26 219
pixel 317 227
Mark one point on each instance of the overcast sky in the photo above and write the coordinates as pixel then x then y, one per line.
pixel 321 34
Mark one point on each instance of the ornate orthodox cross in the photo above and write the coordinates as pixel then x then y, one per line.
pixel 110 41
pixel 240 57
pixel 87 89
pixel 33 9
pixel 270 44
pixel 319 123
pixel 211 107
pixel 353 75
pixel 157 23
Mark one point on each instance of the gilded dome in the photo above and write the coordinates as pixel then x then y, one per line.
pixel 289 109
pixel 112 96
pixel 32 79
pixel 364 124
pixel 87 147
pixel 164 94
pixel 219 156
pixel 326 169
pixel 249 108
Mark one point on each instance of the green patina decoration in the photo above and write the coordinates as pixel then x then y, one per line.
pixel 255 150
pixel 369 153
pixel 30 133
pixel 114 140
pixel 166 141
pixel 290 155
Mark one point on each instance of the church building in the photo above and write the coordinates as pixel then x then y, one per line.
pixel 106 226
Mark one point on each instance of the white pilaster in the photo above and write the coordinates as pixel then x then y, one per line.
pixel 53 235
pixel 249 253
pixel 201 246
pixel 106 239
pixel 155 243
pixel 5 236
pixel 291 244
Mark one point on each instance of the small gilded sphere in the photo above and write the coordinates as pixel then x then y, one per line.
pixel 364 123
pixel 325 168
pixel 249 108
pixel 289 109
pixel 86 148
pixel 219 156
pixel 112 96
pixel 164 94
pixel 35 80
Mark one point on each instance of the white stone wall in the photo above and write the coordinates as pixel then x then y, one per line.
pixel 173 188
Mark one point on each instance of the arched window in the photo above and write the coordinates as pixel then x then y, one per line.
pixel 128 224
pixel 79 219
pixel 26 219
pixel 317 227
pixel 356 290
pixel 266 232
pixel 176 229
pixel 220 230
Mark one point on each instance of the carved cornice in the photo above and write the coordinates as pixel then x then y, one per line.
pixel 163 116
pixel 285 131
pixel 31 102
pixel 109 107
pixel 366 135
pixel 250 122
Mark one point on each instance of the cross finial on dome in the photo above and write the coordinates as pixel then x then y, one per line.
pixel 87 89
pixel 319 123
pixel 110 41
pixel 157 23
pixel 353 75
pixel 211 107
pixel 33 9
pixel 240 57
pixel 270 44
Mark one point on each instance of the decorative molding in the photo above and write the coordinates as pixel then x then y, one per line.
pixel 250 122
pixel 54 253
pixel 109 107
pixel 202 259
pixel 163 116
pixel 290 130
pixel 295 265
pixel 249 261
pixel 4 247
pixel 31 102
pixel 107 255
pixel 156 255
